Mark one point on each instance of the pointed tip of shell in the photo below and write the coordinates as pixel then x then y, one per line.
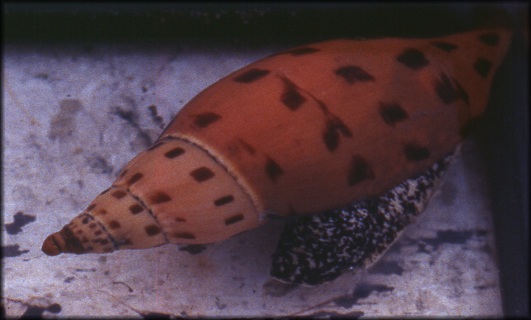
pixel 51 245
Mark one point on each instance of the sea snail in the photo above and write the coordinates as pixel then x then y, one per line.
pixel 351 135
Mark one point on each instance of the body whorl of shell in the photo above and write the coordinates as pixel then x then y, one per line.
pixel 300 132
pixel 318 126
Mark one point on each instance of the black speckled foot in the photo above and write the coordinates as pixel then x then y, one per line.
pixel 318 248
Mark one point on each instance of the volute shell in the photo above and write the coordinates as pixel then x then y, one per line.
pixel 300 132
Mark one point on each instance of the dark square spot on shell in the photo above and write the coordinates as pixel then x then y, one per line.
pixel 86 219
pixel 159 197
pixel 443 45
pixel 156 145
pixel 415 152
pixel 137 176
pixel 102 212
pixel 413 59
pixel 292 99
pixel 119 194
pixel 93 225
pixel 445 89
pixel 152 230
pixel 223 200
pixel 331 138
pixel 202 174
pixel 173 153
pixel 482 67
pixel 251 75
pixel 354 74
pixel 79 231
pixel 179 219
pixel 113 224
pixel 392 113
pixel 272 169
pixel 184 235
pixel 490 39
pixel 334 127
pixel 92 206
pixel 84 240
pixel 98 232
pixel 302 51
pixel 203 120
pixel 359 170
pixel 234 219
pixel 136 209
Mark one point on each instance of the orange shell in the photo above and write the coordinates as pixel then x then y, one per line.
pixel 307 130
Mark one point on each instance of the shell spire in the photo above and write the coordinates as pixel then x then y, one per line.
pixel 160 197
